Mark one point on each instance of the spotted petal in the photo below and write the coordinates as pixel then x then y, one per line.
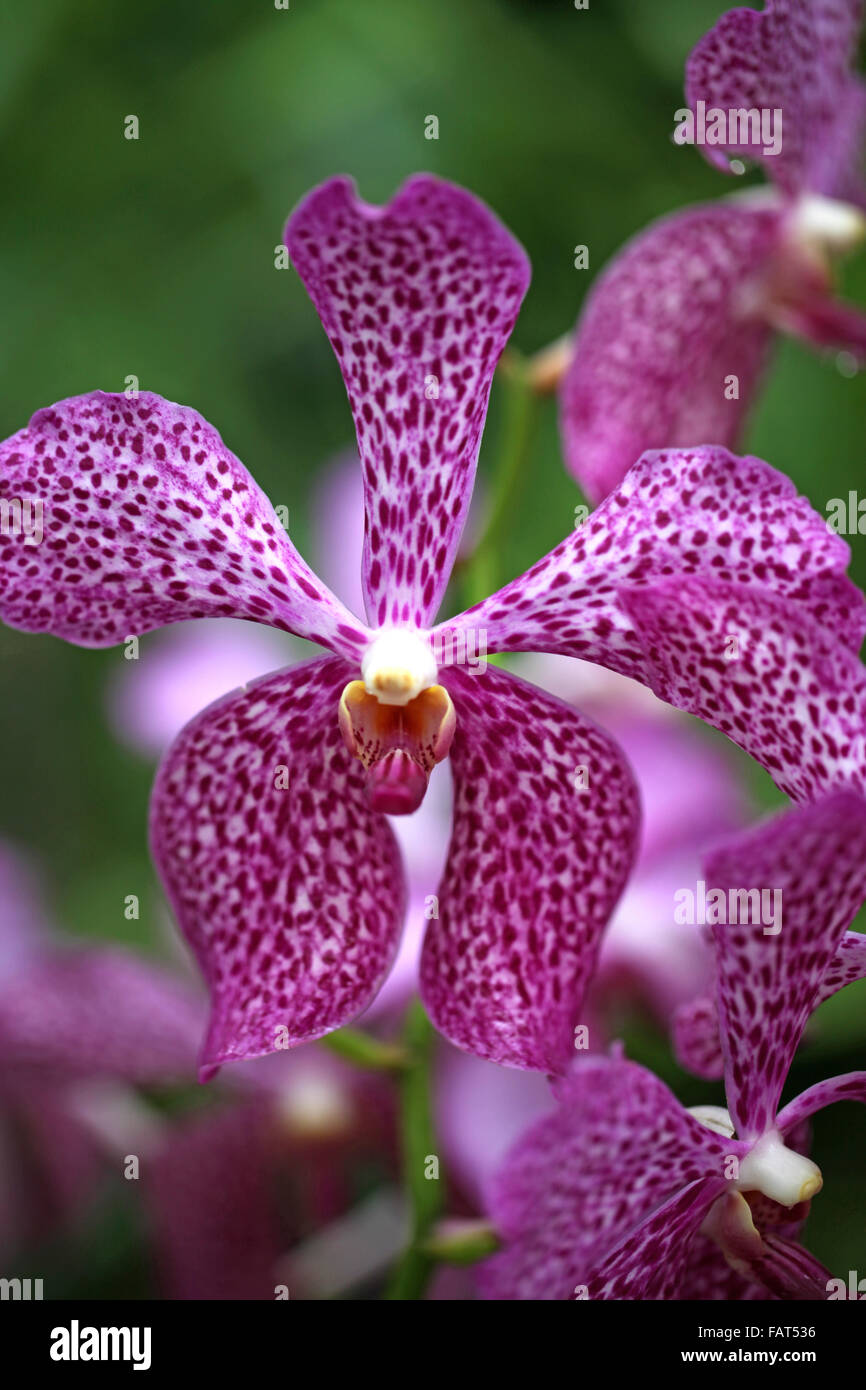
pixel 762 671
pixel 418 299
pixel 146 519
pixel 851 1086
pixel 286 885
pixel 809 865
pixel 670 344
pixel 796 57
pixel 696 1039
pixel 584 1178
pixel 545 833
pixel 652 1261
pixel 708 1277
pixel 848 965
pixel 679 515
pixel 695 1032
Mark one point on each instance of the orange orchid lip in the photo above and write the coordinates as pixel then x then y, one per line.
pixel 399 745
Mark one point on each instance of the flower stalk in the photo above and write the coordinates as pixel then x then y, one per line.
pixel 413 1270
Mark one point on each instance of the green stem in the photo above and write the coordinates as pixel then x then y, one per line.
pixel 414 1268
pixel 364 1051
pixel 521 407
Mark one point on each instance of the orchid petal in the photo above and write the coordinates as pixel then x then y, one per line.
pixel 652 1261
pixel 147 518
pixel 851 1086
pixel 796 57
pixel 695 1031
pixel 696 1039
pixel 418 299
pixel 848 965
pixel 814 859
pixel 679 516
pixel 708 1277
pixel 545 832
pixel 823 322
pixel 766 675
pixel 97 1012
pixel 672 319
pixel 288 887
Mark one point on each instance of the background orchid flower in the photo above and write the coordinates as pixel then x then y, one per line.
pixel 273 1185
pixel 80 1029
pixel 625 1194
pixel 226 1197
pixel 672 341
pixel 266 813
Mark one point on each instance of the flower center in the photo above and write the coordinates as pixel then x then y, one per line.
pixel 397 721
pixel 824 227
pixel 397 666
pixel 769 1167
pixel 314 1107
pixel 778 1172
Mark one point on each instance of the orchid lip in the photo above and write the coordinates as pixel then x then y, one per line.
pixel 399 745
pixel 396 784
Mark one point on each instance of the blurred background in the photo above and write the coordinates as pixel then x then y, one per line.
pixel 155 258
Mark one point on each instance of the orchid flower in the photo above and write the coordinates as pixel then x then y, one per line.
pixel 672 341
pixel 623 1193
pixel 267 813
pixel 186 667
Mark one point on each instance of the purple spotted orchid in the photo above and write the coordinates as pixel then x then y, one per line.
pixel 671 344
pixel 623 1193
pixel 267 822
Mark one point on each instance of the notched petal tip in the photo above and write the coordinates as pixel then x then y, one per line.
pixel 418 377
